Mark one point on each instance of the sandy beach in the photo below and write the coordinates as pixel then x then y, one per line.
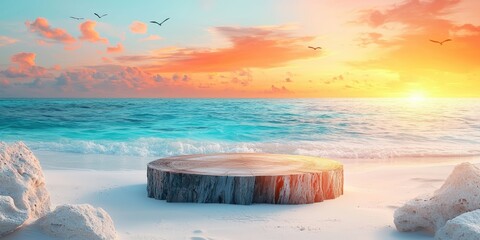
pixel 373 190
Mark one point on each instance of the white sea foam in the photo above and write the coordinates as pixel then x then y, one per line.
pixel 157 147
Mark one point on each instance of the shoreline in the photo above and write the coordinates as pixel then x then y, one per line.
pixel 93 161
pixel 365 211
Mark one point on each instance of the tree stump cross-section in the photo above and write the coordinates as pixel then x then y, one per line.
pixel 244 178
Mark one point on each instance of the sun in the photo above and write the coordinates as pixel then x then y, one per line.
pixel 416 97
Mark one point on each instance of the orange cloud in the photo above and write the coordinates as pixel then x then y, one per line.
pixel 115 49
pixel 417 63
pixel 251 47
pixel 138 27
pixel 24 60
pixel 89 34
pixel 42 28
pixel 25 66
pixel 412 12
pixel 425 20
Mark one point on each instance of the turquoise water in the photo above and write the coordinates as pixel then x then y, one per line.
pixel 344 128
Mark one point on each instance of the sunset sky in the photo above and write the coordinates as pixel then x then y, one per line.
pixel 247 48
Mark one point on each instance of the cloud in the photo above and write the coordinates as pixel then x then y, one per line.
pixel 104 78
pixel 42 42
pixel 98 80
pixel 279 90
pixel 134 58
pixel 131 77
pixel 106 60
pixel 4 41
pixel 89 34
pixel 152 37
pixel 289 78
pixel 56 67
pixel 4 83
pixel 410 50
pixel 175 77
pixel 250 47
pixel 186 78
pixel 42 28
pixel 76 80
pixel 138 27
pixel 24 60
pixel 339 77
pixel 466 30
pixel 411 12
pixel 115 49
pixel 371 38
pixel 242 77
pixel 26 67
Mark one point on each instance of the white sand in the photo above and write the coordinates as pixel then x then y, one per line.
pixel 372 191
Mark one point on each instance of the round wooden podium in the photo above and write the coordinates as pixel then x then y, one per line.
pixel 245 178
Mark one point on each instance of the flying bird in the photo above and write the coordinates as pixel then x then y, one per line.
pixel 96 14
pixel 314 48
pixel 441 43
pixel 159 24
pixel 76 18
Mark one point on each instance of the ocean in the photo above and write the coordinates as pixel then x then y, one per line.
pixel 333 128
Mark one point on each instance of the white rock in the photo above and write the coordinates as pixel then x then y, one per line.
pixel 21 179
pixel 79 222
pixel 463 227
pixel 459 194
pixel 10 216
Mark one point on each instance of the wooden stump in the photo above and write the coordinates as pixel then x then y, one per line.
pixel 245 178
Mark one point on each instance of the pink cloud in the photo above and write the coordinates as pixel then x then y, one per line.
pixel 152 37
pixel 411 12
pixel 4 41
pixel 138 27
pixel 115 49
pixel 56 67
pixel 42 42
pixel 25 67
pixel 89 34
pixel 106 60
pixel 105 78
pixel 251 47
pixel 4 82
pixel 135 58
pixel 42 28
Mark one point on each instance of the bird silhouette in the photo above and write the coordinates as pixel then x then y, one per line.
pixel 159 24
pixel 441 43
pixel 96 14
pixel 77 18
pixel 314 48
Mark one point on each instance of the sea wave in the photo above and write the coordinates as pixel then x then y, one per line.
pixel 158 147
